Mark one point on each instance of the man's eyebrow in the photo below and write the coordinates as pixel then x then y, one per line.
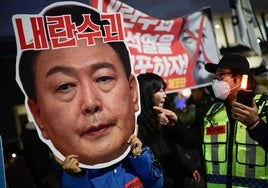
pixel 57 69
pixel 100 65
pixel 93 67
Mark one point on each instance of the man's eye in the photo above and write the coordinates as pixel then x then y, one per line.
pixel 188 39
pixel 65 87
pixel 106 83
pixel 104 79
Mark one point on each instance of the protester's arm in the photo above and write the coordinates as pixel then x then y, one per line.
pixel 144 163
pixel 259 133
pixel 148 168
pixel 166 117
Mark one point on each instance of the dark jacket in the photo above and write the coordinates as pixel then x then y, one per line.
pixel 176 163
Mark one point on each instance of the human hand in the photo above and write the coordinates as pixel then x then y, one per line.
pixel 70 163
pixel 166 117
pixel 196 176
pixel 245 114
pixel 136 145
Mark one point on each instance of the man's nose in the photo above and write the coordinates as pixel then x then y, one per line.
pixel 201 55
pixel 90 102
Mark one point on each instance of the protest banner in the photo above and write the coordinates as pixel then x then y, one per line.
pixel 175 49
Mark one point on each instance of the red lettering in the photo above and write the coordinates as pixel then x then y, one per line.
pixel 61 31
pixel 22 40
pixel 39 33
pixel 114 31
pixel 88 30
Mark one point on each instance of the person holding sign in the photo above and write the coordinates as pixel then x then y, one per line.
pixel 234 143
pixel 83 97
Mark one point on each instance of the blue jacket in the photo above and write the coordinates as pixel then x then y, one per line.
pixel 131 172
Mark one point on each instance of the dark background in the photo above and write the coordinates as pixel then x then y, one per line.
pixel 158 8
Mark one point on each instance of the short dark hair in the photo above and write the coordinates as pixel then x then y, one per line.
pixel 27 59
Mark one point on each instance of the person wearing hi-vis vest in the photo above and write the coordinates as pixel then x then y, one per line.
pixel 234 141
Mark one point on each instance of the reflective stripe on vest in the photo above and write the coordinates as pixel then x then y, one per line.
pixel 215 145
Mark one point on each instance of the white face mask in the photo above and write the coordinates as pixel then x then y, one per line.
pixel 221 89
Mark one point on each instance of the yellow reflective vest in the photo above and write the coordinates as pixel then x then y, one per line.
pixel 247 161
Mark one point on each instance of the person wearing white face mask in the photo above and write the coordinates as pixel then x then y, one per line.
pixel 234 135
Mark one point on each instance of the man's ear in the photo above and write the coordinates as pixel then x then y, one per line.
pixel 35 110
pixel 133 84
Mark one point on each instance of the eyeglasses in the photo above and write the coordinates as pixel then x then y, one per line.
pixel 220 75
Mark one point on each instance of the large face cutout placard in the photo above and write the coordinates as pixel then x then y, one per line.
pixel 74 68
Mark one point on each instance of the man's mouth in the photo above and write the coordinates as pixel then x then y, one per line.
pixel 97 130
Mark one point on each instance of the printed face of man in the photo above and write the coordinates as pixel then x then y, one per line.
pixel 85 103
pixel 206 52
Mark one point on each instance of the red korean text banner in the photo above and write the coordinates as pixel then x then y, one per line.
pixel 176 49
